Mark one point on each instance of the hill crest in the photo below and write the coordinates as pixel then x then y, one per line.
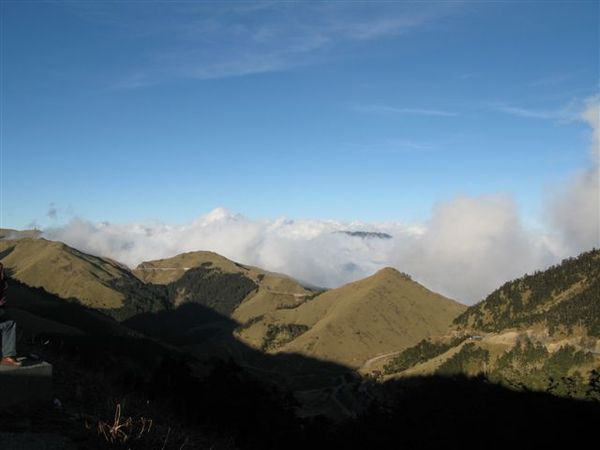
pixel 384 312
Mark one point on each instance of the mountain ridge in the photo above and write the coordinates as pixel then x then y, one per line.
pixel 360 319
pixel 537 332
pixel 275 312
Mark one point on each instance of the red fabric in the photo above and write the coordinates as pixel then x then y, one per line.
pixel 2 285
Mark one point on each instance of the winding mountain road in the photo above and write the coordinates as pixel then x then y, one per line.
pixel 368 362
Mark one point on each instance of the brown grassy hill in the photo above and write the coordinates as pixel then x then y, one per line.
pixel 68 273
pixel 169 270
pixel 202 277
pixel 272 290
pixel 39 312
pixel 382 313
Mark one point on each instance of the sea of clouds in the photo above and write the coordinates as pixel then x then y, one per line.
pixel 467 248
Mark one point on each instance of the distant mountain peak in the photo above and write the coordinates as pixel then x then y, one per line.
pixel 392 272
pixel 219 215
pixel 366 234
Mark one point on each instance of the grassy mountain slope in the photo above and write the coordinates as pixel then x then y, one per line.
pixel 383 313
pixel 199 277
pixel 39 312
pixel 169 270
pixel 387 311
pixel 254 291
pixel 62 270
pixel 539 332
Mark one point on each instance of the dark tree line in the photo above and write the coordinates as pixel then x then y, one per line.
pixel 423 351
pixel 280 334
pixel 519 302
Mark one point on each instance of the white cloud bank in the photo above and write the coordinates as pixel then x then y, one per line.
pixel 574 211
pixel 466 249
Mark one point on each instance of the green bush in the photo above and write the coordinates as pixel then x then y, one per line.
pixel 280 334
pixel 469 359
pixel 421 352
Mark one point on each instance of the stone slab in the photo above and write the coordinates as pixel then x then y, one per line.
pixel 25 386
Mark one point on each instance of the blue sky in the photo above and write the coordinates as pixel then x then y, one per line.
pixel 369 111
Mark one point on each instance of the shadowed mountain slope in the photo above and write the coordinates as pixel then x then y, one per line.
pixel 223 405
pixel 272 312
pixel 40 312
pixel 98 358
pixel 190 331
pixel 468 413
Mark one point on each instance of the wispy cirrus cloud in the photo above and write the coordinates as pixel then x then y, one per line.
pixel 212 41
pixel 568 112
pixel 530 113
pixel 395 110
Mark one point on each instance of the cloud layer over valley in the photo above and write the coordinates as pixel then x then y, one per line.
pixel 467 248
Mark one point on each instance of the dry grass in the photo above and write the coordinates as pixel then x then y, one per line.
pixel 97 411
pixel 383 313
pixel 122 429
pixel 275 290
pixel 64 271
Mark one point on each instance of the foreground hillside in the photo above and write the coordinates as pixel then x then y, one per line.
pixel 348 325
pixel 221 355
pixel 214 307
pixel 540 332
pixel 120 390
pixel 275 313
pixel 168 398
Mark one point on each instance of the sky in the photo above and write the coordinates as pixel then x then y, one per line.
pixel 467 130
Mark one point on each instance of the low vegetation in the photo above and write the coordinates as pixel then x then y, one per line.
pixel 562 296
pixel 525 356
pixel 470 360
pixel 249 323
pixel 529 366
pixel 305 299
pixel 583 309
pixel 280 334
pixel 220 291
pixel 423 351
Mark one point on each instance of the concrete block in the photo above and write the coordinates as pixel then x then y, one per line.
pixel 27 386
